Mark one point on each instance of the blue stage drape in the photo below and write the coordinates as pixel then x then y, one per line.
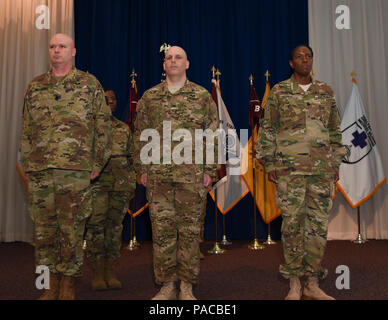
pixel 239 37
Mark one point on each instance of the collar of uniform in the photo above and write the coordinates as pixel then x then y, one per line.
pixel 186 87
pixel 71 75
pixel 295 88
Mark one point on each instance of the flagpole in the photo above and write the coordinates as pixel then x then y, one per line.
pixel 216 249
pixel 269 239
pixel 131 111
pixel 135 242
pixel 131 245
pixel 359 239
pixel 224 241
pixel 255 245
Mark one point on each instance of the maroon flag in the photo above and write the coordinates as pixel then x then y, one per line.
pixel 222 171
pixel 133 99
pixel 254 107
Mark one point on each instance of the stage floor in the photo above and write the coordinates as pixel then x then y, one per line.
pixel 239 274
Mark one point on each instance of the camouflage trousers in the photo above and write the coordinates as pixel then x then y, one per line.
pixel 175 211
pixel 104 227
pixel 305 202
pixel 60 202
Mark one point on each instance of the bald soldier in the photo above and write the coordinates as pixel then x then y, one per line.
pixel 176 190
pixel 66 141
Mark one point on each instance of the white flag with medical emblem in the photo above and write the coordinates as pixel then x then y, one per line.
pixel 361 172
pixel 231 188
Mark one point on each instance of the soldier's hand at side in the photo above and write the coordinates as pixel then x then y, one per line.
pixel 27 176
pixel 273 177
pixel 143 179
pixel 94 175
pixel 207 180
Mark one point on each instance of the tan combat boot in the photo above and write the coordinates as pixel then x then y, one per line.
pixel 295 292
pixel 110 276
pixel 167 292
pixel 98 282
pixel 186 291
pixel 201 256
pixel 313 292
pixel 67 288
pixel 53 292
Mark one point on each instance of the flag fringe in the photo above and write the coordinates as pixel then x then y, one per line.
pixel 233 204
pixel 365 198
pixel 134 215
pixel 25 182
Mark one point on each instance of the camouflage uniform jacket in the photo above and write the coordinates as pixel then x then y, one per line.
pixel 191 108
pixel 300 132
pixel 119 175
pixel 66 123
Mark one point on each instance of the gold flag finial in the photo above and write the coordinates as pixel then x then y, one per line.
pixel 251 79
pixel 354 74
pixel 218 73
pixel 267 75
pixel 133 76
pixel 214 72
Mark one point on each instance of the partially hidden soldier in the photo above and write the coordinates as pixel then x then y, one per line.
pixel 175 191
pixel 66 141
pixel 111 194
pixel 300 145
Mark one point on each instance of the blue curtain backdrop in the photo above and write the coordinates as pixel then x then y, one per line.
pixel 239 37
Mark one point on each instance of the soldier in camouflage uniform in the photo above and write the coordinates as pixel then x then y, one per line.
pixel 66 141
pixel 300 146
pixel 175 191
pixel 111 194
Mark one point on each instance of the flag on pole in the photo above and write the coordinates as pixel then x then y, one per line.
pixel 231 188
pixel 140 202
pixel 265 197
pixel 133 99
pixel 254 106
pixel 361 173
pixel 266 92
pixel 222 170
